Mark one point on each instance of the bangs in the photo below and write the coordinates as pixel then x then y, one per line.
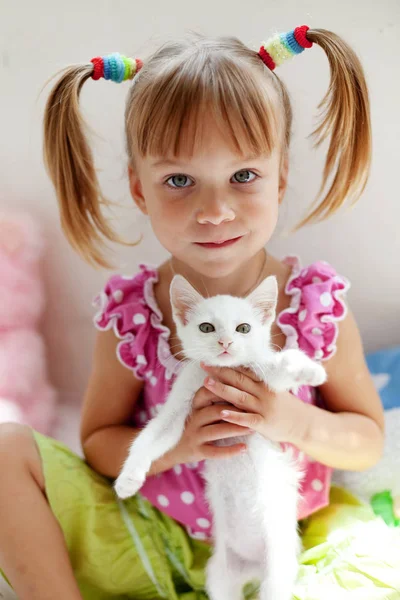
pixel 174 105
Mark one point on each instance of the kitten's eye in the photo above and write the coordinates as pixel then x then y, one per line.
pixel 243 328
pixel 206 327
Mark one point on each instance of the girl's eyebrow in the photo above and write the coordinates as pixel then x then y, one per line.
pixel 169 163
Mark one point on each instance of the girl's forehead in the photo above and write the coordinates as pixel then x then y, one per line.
pixel 207 140
pixel 212 149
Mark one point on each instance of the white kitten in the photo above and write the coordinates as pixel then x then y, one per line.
pixel 253 496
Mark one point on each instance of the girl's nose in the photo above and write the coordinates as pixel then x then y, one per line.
pixel 215 210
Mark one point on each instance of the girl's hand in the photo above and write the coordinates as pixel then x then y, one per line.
pixel 275 416
pixel 203 427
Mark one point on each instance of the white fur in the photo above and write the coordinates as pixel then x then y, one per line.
pixel 253 496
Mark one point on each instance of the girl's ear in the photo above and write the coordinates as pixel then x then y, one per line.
pixel 135 187
pixel 283 177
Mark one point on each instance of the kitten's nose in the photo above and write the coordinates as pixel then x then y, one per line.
pixel 225 343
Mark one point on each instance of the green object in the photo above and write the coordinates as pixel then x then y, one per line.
pixel 131 551
pixel 382 505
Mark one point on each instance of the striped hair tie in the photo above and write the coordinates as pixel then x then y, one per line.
pixel 283 46
pixel 116 67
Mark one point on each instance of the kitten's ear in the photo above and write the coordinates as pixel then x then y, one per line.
pixel 184 298
pixel 265 297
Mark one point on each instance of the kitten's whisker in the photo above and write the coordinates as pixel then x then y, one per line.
pixel 276 346
pixel 186 359
pixel 257 367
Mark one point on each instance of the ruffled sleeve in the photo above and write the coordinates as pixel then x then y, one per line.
pixel 317 305
pixel 121 306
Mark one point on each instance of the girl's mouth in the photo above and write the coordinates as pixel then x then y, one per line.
pixel 220 243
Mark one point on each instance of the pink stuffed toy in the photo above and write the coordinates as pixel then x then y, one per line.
pixel 25 393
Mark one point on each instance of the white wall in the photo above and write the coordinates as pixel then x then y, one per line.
pixel 38 38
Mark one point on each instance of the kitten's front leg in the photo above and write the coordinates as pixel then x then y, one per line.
pixel 292 369
pixel 159 436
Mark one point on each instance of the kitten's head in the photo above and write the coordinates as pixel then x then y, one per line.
pixel 224 330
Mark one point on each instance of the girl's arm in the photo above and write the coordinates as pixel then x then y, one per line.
pixel 106 423
pixel 350 434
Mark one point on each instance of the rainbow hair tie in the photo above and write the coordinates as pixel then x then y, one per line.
pixel 116 67
pixel 283 46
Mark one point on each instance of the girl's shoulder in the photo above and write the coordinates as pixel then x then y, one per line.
pixel 316 305
pixel 127 304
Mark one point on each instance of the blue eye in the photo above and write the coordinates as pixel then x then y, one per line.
pixel 178 181
pixel 244 176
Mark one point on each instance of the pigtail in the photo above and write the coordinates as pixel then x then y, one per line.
pixel 69 162
pixel 345 120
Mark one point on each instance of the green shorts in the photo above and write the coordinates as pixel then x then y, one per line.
pixel 130 550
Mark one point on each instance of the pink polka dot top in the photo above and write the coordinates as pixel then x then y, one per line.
pixel 128 306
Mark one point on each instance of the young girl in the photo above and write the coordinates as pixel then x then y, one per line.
pixel 208 127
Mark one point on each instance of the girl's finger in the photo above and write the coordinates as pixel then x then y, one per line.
pixel 204 398
pixel 210 451
pixel 239 398
pixel 251 420
pixel 222 431
pixel 236 378
pixel 210 414
pixel 249 373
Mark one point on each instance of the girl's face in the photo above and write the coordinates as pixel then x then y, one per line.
pixel 215 210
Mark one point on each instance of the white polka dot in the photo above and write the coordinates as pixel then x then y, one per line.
pixel 325 299
pixel 187 497
pixel 302 315
pixel 162 500
pixel 153 380
pixel 316 280
pixel 316 331
pixel 203 523
pixel 140 359
pixel 178 469
pixel 318 354
pixel 304 272
pixel 317 485
pixel 149 374
pixel 199 535
pixel 139 319
pixel 118 295
pixel 192 465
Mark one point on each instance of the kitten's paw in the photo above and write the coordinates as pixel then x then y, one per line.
pixel 312 374
pixel 301 369
pixel 129 482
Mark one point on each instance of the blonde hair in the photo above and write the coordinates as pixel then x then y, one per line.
pixel 166 102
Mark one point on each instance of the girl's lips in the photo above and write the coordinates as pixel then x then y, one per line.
pixel 220 244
